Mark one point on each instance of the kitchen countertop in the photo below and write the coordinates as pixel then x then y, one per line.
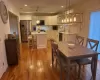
pixel 38 33
pixel 67 33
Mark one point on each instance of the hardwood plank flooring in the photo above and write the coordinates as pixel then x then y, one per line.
pixel 36 65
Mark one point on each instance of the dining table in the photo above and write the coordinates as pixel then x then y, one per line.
pixel 72 51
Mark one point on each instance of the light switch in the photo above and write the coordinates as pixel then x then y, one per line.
pixel 0 39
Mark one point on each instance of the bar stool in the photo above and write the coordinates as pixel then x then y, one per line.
pixel 34 38
pixel 92 44
pixel 30 41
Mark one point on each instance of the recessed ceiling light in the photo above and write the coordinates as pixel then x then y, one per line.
pixel 62 6
pixel 25 5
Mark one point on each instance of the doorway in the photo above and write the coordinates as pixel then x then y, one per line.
pixel 94 29
pixel 13 20
pixel 25 28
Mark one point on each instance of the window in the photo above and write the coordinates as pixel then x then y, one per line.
pixel 94 30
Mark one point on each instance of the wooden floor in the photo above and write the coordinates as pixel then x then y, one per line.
pixel 36 65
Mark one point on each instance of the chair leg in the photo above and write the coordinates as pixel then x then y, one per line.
pixel 79 72
pixel 83 67
pixel 76 72
pixel 61 73
pixel 91 71
pixel 52 59
pixel 56 63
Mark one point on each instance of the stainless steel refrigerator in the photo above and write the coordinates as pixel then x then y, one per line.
pixel 25 28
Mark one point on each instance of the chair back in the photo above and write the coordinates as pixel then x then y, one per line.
pixel 92 44
pixel 58 55
pixel 79 40
pixel 54 48
pixel 60 58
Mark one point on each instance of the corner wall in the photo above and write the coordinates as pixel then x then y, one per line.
pixel 86 7
pixel 5 29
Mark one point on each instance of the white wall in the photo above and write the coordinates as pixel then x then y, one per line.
pixel 86 8
pixel 5 29
pixel 25 17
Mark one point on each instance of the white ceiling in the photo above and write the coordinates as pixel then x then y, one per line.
pixel 45 6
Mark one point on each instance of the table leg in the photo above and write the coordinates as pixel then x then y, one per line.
pixel 95 66
pixel 68 70
pixel 52 58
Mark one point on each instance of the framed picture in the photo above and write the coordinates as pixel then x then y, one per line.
pixel 3 12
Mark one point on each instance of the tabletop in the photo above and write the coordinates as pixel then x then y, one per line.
pixel 71 50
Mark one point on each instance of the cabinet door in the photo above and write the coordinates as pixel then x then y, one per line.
pixel 11 51
pixel 60 36
pixel 53 20
pixel 64 37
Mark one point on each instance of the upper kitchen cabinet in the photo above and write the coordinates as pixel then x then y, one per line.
pixel 52 20
pixel 35 18
pixel 49 20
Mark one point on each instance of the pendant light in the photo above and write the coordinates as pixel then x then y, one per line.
pixel 67 12
pixel 37 21
pixel 71 17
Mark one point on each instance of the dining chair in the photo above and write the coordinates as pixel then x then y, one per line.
pixel 30 42
pixel 62 63
pixel 79 40
pixel 92 44
pixel 54 47
pixel 34 39
pixel 60 60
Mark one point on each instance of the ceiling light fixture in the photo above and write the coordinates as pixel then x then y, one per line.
pixel 25 5
pixel 62 21
pixel 37 21
pixel 62 6
pixel 74 19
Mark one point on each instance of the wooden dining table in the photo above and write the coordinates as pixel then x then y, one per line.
pixel 73 52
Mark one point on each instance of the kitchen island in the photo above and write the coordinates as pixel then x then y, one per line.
pixel 41 39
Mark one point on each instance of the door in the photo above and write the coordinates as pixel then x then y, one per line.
pixel 13 20
pixel 94 29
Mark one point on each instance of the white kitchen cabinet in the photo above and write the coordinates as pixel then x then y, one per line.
pixel 49 20
pixel 41 39
pixel 52 20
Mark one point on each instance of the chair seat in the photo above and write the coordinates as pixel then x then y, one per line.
pixel 64 63
pixel 83 61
